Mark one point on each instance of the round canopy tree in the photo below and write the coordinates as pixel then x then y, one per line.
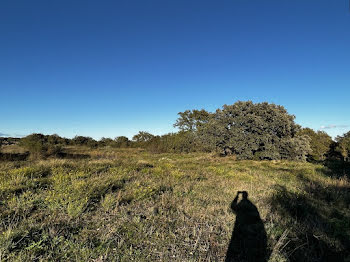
pixel 255 131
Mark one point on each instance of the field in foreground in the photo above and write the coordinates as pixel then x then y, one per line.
pixel 130 205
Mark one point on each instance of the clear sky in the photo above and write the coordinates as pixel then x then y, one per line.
pixel 111 68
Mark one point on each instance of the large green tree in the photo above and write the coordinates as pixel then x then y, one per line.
pixel 254 131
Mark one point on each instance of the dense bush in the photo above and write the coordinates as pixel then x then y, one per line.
pixel 105 142
pixel 343 146
pixel 35 144
pixel 84 141
pixel 41 146
pixel 122 142
pixel 320 143
pixel 181 142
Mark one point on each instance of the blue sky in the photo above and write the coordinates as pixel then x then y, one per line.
pixel 111 68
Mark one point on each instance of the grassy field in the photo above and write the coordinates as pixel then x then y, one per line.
pixel 129 205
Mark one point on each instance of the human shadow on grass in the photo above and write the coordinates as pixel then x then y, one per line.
pixel 249 240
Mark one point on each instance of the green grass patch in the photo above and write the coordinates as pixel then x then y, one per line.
pixel 125 205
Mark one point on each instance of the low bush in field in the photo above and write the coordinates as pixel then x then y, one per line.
pixel 39 146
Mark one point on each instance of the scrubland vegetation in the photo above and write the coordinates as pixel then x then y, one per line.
pixel 130 205
pixel 246 130
pixel 167 198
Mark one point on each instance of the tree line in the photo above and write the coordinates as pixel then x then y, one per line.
pixel 247 130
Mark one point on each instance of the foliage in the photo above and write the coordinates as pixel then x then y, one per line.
pixel 142 137
pixel 254 131
pixel 84 141
pixel 191 120
pixel 257 131
pixel 343 146
pixel 320 143
pixel 35 144
pixel 106 142
pixel 122 142
pixel 57 140
pixel 296 148
pixel 41 146
pixel 181 142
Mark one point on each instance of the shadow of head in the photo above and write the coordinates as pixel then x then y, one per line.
pixel 249 240
pixel 244 194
